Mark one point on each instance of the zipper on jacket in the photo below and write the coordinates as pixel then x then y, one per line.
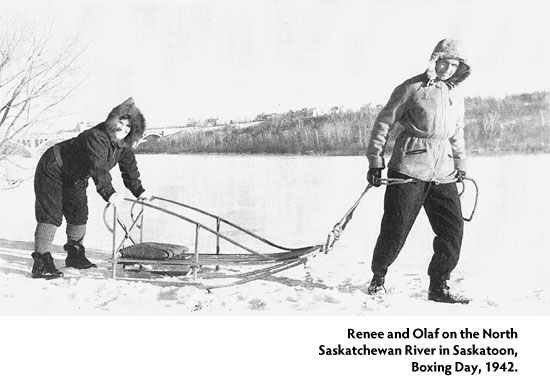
pixel 444 124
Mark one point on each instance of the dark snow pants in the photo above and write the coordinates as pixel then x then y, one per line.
pixel 402 204
pixel 57 195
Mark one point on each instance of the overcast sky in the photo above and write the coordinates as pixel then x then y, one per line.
pixel 234 59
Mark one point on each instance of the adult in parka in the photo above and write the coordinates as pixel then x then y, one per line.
pixel 61 179
pixel 430 149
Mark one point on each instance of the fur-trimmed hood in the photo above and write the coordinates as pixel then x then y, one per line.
pixel 449 48
pixel 137 122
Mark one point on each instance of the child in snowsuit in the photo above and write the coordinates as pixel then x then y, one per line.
pixel 61 179
pixel 430 149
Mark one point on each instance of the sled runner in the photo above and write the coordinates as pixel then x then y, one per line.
pixel 134 258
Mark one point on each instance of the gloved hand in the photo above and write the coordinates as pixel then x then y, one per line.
pixel 146 197
pixel 460 175
pixel 116 199
pixel 374 176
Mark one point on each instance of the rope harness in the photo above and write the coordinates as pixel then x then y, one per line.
pixel 339 227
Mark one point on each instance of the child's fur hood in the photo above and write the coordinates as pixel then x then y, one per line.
pixel 137 122
pixel 449 48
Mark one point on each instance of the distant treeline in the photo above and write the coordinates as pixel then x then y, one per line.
pixel 514 124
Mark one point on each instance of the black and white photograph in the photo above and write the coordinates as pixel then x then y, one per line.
pixel 218 167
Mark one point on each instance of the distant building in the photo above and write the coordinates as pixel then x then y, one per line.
pixel 211 122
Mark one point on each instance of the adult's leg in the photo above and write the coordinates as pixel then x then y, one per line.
pixel 402 203
pixel 444 212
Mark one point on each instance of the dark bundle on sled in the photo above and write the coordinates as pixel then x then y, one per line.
pixel 154 251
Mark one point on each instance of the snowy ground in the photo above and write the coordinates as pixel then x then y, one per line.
pixel 504 268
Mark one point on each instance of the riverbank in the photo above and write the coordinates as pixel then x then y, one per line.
pixel 514 124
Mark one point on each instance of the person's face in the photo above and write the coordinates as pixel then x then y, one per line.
pixel 122 128
pixel 446 67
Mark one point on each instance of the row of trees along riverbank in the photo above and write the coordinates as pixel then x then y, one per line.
pixel 514 124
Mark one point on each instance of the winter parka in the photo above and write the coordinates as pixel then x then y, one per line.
pixel 430 146
pixel 95 151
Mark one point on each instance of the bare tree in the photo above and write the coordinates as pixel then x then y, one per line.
pixel 36 75
pixel 489 123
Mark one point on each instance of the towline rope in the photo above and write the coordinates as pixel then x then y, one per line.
pixel 339 227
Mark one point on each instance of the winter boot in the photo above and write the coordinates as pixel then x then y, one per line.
pixel 376 284
pixel 44 267
pixel 439 292
pixel 76 256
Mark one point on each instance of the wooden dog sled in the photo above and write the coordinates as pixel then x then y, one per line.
pixel 134 258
